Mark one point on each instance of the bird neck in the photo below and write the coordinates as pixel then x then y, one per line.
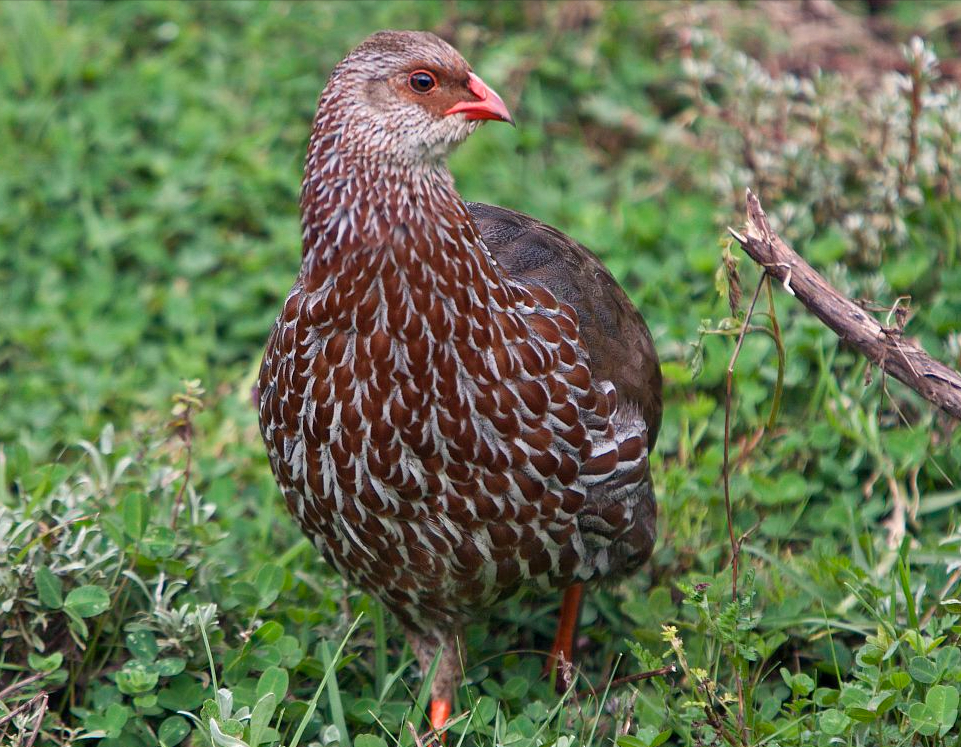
pixel 382 216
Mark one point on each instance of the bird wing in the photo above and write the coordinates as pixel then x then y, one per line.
pixel 613 331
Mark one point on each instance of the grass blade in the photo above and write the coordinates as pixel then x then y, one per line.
pixel 380 650
pixel 336 706
pixel 329 670
pixel 423 697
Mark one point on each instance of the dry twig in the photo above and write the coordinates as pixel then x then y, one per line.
pixel 41 712
pixel 726 475
pixel 894 355
pixel 641 676
pixel 40 701
pixel 21 684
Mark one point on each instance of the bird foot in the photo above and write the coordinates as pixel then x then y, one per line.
pixel 562 652
pixel 439 714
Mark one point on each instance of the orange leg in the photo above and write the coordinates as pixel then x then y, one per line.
pixel 439 713
pixel 427 647
pixel 563 648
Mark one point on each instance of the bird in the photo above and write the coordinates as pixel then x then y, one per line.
pixel 457 400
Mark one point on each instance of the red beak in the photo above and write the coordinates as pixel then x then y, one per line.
pixel 488 105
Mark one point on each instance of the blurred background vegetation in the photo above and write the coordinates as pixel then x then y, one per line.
pixel 150 160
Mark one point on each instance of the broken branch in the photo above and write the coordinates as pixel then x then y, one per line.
pixel 884 347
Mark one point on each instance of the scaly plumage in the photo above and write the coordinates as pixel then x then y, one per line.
pixel 456 400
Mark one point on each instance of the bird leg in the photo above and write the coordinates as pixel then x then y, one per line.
pixel 439 713
pixel 562 652
pixel 448 674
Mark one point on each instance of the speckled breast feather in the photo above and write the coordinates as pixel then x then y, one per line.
pixel 434 424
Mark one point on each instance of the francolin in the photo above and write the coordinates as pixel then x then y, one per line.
pixel 457 400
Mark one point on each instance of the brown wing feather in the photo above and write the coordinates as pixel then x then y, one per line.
pixel 615 334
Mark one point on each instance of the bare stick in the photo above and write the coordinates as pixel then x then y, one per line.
pixel 735 548
pixel 188 443
pixel 41 712
pixel 21 683
pixel 641 676
pixel 40 697
pixel 884 347
pixel 413 732
pixel 18 709
pixel 735 545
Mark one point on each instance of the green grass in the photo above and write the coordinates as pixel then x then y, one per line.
pixel 150 158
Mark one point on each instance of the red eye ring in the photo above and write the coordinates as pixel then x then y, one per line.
pixel 422 81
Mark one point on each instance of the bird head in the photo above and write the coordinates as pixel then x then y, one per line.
pixel 409 96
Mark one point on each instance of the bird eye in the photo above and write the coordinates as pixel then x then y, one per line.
pixel 422 81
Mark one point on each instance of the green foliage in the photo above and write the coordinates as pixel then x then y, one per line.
pixel 902 685
pixel 153 589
